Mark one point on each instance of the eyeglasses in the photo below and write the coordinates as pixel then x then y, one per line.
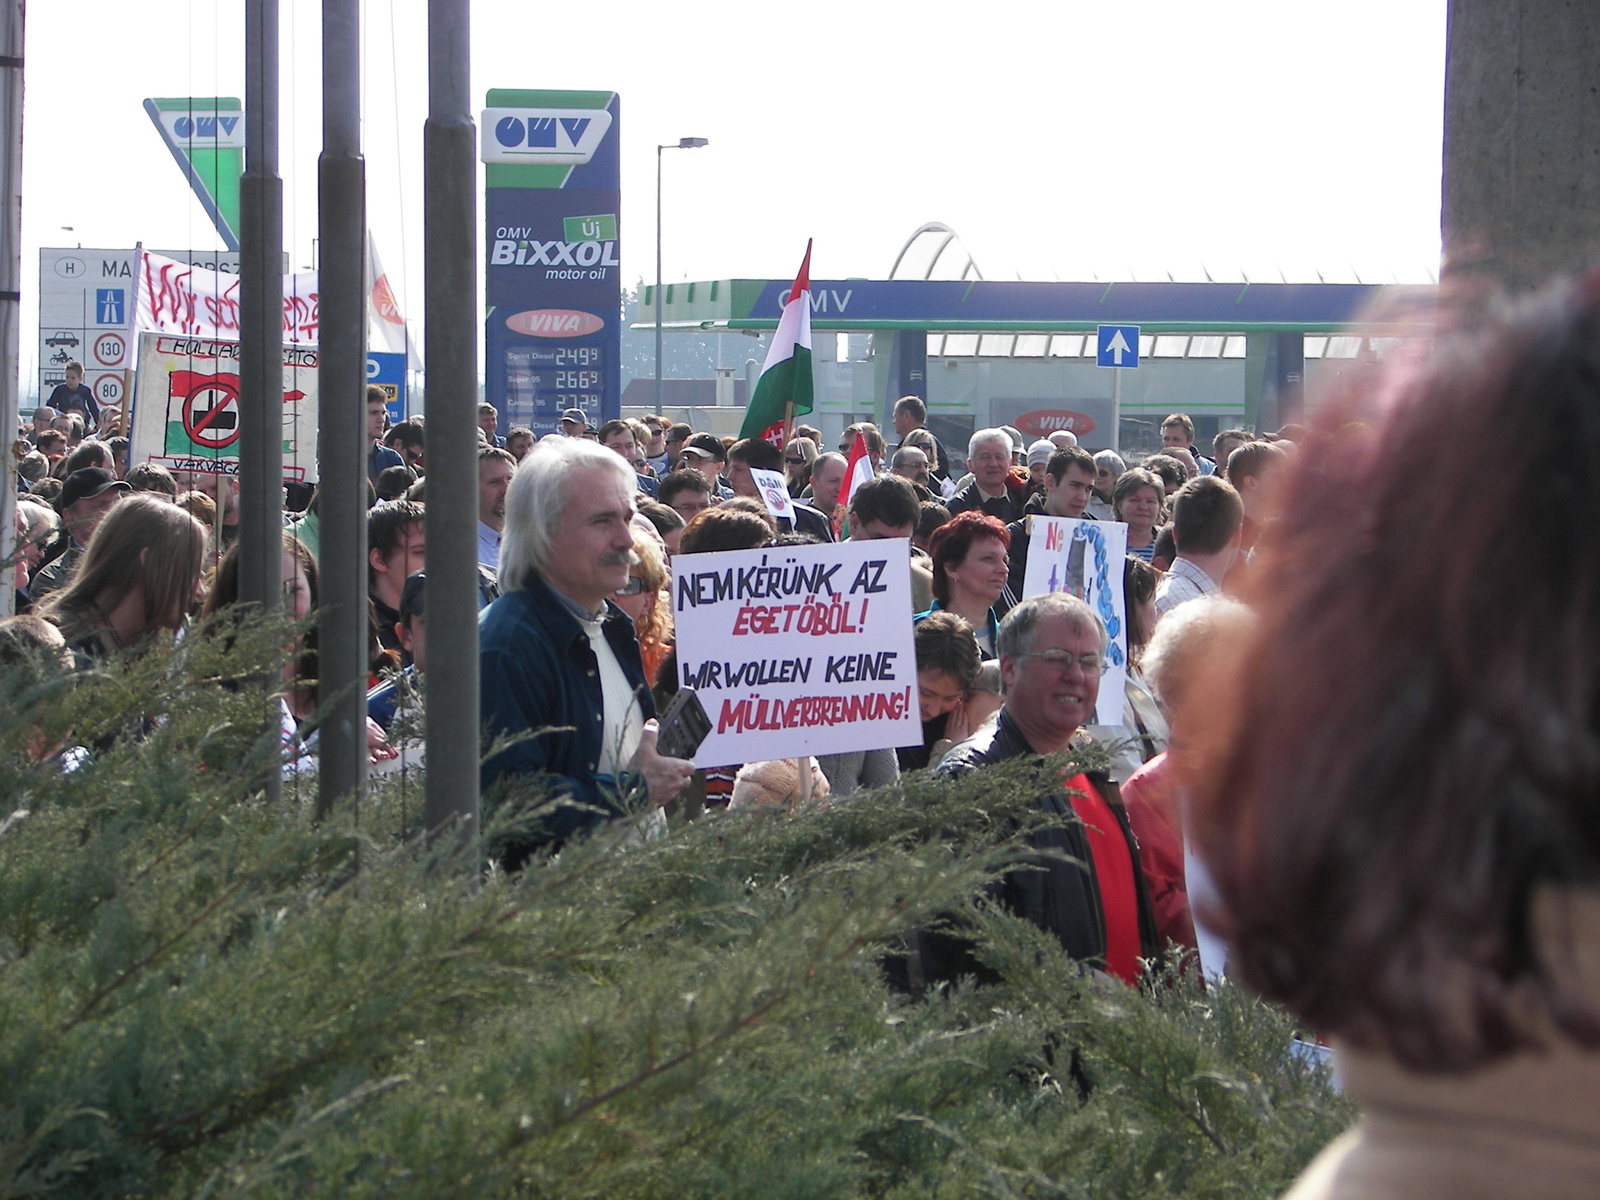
pixel 633 587
pixel 794 462
pixel 1059 660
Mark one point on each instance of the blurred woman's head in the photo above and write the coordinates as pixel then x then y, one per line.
pixel 146 554
pixel 1405 753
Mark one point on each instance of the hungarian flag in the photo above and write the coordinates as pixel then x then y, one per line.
pixel 784 389
pixel 858 469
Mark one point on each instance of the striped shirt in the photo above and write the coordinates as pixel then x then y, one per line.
pixel 1184 582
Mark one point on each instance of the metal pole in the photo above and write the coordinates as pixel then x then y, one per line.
pixel 342 629
pixel 450 312
pixel 11 25
pixel 657 297
pixel 260 330
pixel 1116 409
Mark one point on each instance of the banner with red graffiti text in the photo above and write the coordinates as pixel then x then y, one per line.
pixel 799 650
pixel 177 298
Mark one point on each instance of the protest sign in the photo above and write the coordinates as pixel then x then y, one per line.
pixel 1085 559
pixel 186 407
pixel 178 298
pixel 799 650
pixel 774 489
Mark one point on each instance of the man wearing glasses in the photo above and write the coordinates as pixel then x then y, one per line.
pixel 1086 887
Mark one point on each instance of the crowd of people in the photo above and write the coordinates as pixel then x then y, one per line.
pixel 1359 722
pixel 577 536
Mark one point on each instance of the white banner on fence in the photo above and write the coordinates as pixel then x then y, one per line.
pixel 1085 559
pixel 186 407
pixel 799 650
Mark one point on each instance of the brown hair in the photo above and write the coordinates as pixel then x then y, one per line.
pixel 724 528
pixel 1402 759
pixel 952 540
pixel 144 542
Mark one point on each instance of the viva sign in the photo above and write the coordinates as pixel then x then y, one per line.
pixel 553 335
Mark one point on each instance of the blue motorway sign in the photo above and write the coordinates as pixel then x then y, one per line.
pixel 553 280
pixel 388 371
pixel 1117 346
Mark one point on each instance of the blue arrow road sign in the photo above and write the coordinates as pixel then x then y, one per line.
pixel 1118 346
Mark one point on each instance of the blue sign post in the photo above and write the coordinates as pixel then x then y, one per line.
pixel 553 335
pixel 1116 346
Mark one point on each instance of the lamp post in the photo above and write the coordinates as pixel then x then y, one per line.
pixel 682 144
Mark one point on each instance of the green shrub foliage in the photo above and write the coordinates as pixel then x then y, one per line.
pixel 204 994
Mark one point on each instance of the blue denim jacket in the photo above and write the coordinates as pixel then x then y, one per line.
pixel 537 672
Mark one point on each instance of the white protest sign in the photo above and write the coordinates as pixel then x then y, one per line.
pixel 799 650
pixel 774 493
pixel 186 407
pixel 1085 559
pixel 176 297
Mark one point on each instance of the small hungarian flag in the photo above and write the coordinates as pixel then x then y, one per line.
pixel 784 389
pixel 857 470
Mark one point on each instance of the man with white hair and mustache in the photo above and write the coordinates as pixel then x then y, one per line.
pixel 557 659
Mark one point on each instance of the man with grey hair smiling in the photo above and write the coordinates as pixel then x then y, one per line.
pixel 557 659
pixel 1087 886
pixel 994 489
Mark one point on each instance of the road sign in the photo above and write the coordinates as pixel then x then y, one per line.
pixel 1117 346
pixel 108 390
pixel 109 349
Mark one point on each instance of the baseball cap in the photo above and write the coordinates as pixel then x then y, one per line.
pixel 1015 434
pixel 706 445
pixel 1040 452
pixel 85 484
pixel 576 415
pixel 411 594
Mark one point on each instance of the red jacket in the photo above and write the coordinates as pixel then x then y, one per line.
pixel 1151 797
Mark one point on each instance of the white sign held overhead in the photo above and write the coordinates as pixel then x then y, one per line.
pixel 774 489
pixel 800 649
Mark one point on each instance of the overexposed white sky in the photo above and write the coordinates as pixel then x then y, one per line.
pixel 1062 139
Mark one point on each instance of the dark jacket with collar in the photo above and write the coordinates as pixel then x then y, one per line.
pixel 1006 509
pixel 811 522
pixel 1058 894
pixel 537 671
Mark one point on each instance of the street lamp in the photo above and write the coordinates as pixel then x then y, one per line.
pixel 682 144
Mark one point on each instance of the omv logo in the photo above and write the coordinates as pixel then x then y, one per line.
pixel 204 130
pixel 543 135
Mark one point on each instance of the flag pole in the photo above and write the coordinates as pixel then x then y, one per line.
pixel 788 424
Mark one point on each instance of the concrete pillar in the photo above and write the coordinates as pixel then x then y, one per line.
pixel 1522 140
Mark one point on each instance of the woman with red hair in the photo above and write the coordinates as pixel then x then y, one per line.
pixel 970 566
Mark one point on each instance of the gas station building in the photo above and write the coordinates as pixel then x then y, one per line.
pixel 983 352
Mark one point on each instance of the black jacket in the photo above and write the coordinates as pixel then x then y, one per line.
pixel 1006 509
pixel 811 522
pixel 1064 896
